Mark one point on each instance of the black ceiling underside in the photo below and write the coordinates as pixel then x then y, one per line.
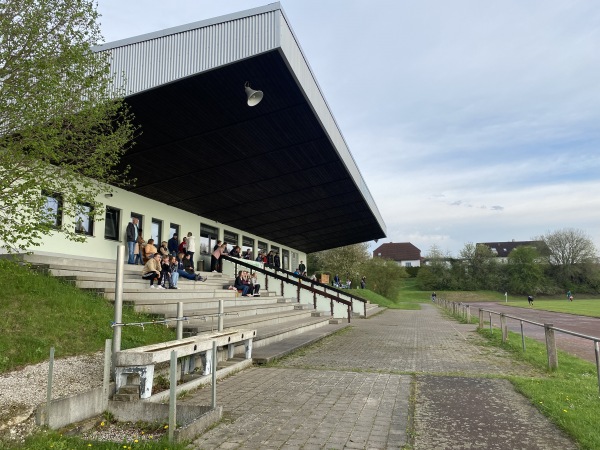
pixel 269 170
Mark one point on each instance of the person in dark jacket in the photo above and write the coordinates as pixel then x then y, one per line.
pixel 173 245
pixel 276 261
pixel 132 232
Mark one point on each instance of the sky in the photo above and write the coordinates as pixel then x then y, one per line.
pixel 470 121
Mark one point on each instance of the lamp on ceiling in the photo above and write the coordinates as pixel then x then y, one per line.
pixel 254 97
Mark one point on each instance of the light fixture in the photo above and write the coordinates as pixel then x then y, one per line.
pixel 254 97
pixel 109 195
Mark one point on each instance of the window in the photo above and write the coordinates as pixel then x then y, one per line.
pixel 408 264
pixel 173 229
pixel 208 238
pixel 84 221
pixel 285 259
pixel 262 246
pixel 112 223
pixel 231 238
pixel 53 209
pixel 156 231
pixel 248 244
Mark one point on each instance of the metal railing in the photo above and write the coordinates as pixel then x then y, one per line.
pixel 462 309
pixel 302 284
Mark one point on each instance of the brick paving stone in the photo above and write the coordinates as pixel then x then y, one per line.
pixel 352 390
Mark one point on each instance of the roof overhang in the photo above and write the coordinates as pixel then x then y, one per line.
pixel 280 170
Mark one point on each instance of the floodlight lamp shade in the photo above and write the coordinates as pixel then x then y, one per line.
pixel 254 97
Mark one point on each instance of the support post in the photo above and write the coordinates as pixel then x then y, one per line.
pixel 220 318
pixel 522 336
pixel 214 375
pixel 551 346
pixel 106 378
pixel 468 308
pixel 179 320
pixel 480 318
pixel 597 351
pixel 49 386
pixel 503 327
pixel 118 301
pixel 173 396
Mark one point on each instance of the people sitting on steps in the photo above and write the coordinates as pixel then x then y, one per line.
pixel 149 250
pixel 242 284
pixel 152 269
pixel 181 268
pixel 255 285
pixel 166 277
pixel 188 266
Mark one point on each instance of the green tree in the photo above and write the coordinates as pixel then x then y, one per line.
pixel 480 269
pixel 525 271
pixel 435 274
pixel 571 255
pixel 63 124
pixel 383 276
pixel 345 261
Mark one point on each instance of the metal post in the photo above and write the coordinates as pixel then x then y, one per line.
pixel 173 396
pixel 480 318
pixel 214 375
pixel 522 336
pixel 503 327
pixel 118 300
pixel 551 346
pixel 220 318
pixel 491 330
pixel 49 387
pixel 106 379
pixel 597 350
pixel 179 320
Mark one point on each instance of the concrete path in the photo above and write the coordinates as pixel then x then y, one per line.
pixel 402 379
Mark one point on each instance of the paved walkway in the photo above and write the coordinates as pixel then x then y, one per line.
pixel 401 378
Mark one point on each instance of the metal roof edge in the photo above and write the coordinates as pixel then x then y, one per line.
pixel 187 27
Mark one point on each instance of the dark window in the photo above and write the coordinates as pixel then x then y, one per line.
pixel 230 238
pixel 285 260
pixel 262 246
pixel 173 229
pixel 156 232
pixel 208 238
pixel 84 222
pixel 53 209
pixel 112 223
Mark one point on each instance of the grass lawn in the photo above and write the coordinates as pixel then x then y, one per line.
pixel 407 298
pixel 583 307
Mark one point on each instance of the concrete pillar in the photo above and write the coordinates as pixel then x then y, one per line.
pixel 468 309
pixel 551 346
pixel 480 318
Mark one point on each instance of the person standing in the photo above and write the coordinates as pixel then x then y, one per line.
pixel 132 234
pixel 276 261
pixel 215 258
pixel 173 245
pixel 191 247
pixel 302 269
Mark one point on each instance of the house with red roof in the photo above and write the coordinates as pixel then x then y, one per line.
pixel 404 253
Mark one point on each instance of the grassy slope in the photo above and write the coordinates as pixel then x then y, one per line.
pixel 407 297
pixel 38 312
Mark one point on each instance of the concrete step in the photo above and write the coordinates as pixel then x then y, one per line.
pixel 169 295
pixel 257 322
pixel 199 306
pixel 211 306
pixel 232 312
pixel 277 346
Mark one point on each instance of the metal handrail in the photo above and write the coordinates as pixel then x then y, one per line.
pixel 297 281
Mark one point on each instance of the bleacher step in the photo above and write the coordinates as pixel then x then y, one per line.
pixel 281 348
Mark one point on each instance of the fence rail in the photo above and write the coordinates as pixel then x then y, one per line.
pixel 463 310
